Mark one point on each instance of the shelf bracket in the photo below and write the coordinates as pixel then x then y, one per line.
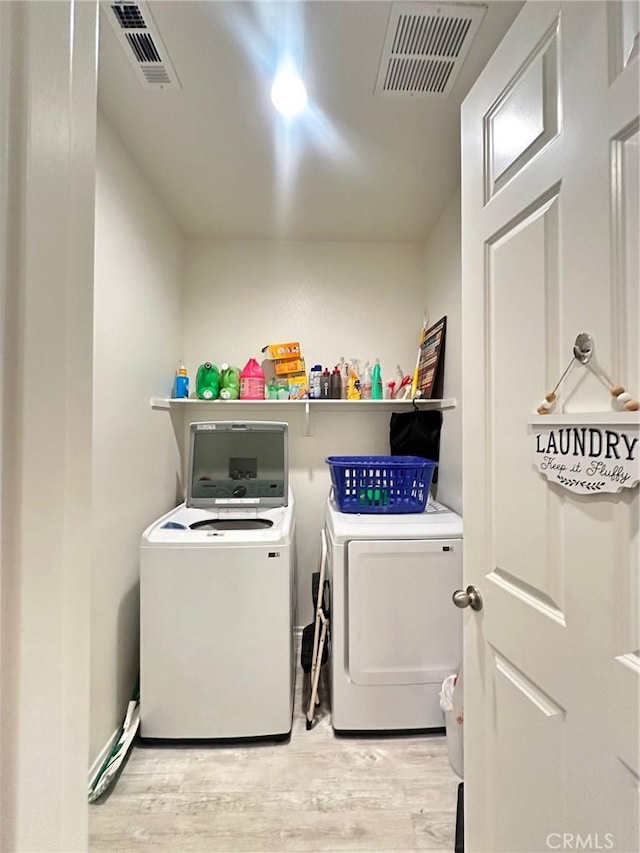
pixel 307 418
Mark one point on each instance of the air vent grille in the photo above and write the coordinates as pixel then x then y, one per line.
pixel 422 34
pixel 129 17
pixel 155 76
pixel 143 47
pixel 141 42
pixel 425 46
pixel 418 75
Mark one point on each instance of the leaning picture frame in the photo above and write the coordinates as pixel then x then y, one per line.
pixel 430 373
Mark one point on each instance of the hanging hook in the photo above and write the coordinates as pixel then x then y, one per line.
pixel 583 350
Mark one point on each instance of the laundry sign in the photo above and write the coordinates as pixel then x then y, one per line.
pixel 584 456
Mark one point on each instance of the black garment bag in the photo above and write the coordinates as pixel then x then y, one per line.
pixel 416 433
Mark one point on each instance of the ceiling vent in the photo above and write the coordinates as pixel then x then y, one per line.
pixel 425 46
pixel 138 35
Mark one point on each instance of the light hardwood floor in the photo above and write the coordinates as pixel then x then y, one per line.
pixel 315 792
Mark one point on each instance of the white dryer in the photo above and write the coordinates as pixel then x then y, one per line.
pixel 217 593
pixel 395 633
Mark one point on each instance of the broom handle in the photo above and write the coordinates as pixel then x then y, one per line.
pixel 323 562
pixel 318 636
pixel 317 663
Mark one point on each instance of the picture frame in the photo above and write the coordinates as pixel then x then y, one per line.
pixel 430 370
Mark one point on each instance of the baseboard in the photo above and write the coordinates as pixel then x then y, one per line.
pixel 106 749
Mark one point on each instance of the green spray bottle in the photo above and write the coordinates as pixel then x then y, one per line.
pixel 376 381
pixel 207 382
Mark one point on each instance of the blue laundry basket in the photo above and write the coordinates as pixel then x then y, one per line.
pixel 381 484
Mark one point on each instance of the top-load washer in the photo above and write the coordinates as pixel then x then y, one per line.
pixel 395 633
pixel 217 592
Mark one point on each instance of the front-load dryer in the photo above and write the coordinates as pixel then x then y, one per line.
pixel 217 593
pixel 395 633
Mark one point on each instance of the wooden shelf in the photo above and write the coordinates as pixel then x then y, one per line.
pixel 168 403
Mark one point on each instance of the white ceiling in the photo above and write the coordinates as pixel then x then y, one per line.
pixel 357 166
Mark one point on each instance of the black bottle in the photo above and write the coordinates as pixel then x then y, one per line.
pixel 325 385
pixel 336 384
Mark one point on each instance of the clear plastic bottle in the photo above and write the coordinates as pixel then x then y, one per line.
pixel 365 382
pixel 353 386
pixel 344 377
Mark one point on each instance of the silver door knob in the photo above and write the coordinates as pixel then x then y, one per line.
pixel 468 598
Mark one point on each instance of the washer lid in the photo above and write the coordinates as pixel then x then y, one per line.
pixel 238 464
pixel 436 522
pixel 193 526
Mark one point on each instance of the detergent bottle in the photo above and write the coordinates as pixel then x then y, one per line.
pixel 181 383
pixel 229 382
pixel 207 382
pixel 315 375
pixel 252 381
pixel 376 381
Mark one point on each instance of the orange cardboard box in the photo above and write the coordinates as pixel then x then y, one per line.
pixel 286 366
pixel 286 350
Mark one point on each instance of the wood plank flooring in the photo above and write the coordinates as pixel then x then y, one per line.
pixel 315 792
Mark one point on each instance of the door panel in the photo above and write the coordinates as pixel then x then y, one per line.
pixel 400 626
pixel 523 538
pixel 625 169
pixel 550 249
pixel 532 749
pixel 525 116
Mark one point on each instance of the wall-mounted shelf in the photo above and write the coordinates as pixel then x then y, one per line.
pixel 307 405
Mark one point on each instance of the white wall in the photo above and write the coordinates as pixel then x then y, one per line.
pixel 443 294
pixel 47 157
pixel 361 300
pixel 351 299
pixel 137 325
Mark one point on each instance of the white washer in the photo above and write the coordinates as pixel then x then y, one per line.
pixel 395 633
pixel 217 593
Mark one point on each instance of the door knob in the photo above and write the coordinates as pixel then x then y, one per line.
pixel 468 598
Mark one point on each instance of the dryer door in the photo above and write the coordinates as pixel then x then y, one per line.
pixel 401 627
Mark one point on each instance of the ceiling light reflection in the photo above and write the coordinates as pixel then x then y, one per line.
pixel 288 92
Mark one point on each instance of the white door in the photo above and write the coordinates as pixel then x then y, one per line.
pixel 550 249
